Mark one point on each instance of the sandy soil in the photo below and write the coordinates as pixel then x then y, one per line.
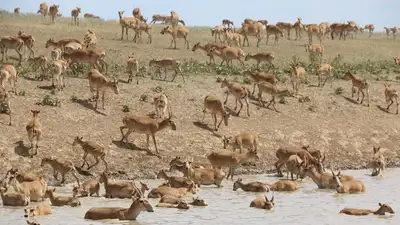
pixel 329 122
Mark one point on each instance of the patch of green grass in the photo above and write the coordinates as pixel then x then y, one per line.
pixel 49 101
pixel 125 108
pixel 74 98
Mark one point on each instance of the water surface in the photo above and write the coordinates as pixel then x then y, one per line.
pixel 308 205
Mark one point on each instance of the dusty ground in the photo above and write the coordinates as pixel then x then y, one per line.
pixel 332 123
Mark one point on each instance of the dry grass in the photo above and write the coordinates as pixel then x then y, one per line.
pixel 330 122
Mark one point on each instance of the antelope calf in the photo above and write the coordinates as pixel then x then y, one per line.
pixel 232 37
pixel 294 165
pixel 168 63
pixel 132 66
pixel 317 49
pixel 145 125
pixel 228 54
pixel 249 187
pixel 215 106
pixel 245 139
pixel 161 105
pixel 38 210
pixel 88 188
pixel 177 192
pixel 56 53
pixel 60 166
pixel 75 16
pixel 283 185
pixel 232 160
pixel 58 68
pixel 198 202
pixel 261 57
pixel 177 161
pixel 34 130
pixel 358 84
pixel 324 69
pixel 266 87
pixel 276 31
pixel 15 43
pixel 139 28
pixel 377 162
pixel 298 77
pixel 138 205
pixel 261 76
pixel 239 92
pixel 383 208
pixel 92 148
pixel 29 41
pixel 90 39
pixel 13 199
pixel 180 205
pixel 349 186
pixel 206 48
pixel 6 99
pixel 99 83
pixel 391 96
pixel 61 43
pixel 263 203
pixel 39 62
pixel 217 31
pixel 176 32
pixel 61 200
pixel 8 73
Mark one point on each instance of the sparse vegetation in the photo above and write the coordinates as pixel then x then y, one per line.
pixel 49 101
pixel 125 108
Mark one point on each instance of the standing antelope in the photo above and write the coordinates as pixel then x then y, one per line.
pixel 53 11
pixel 15 43
pixel 260 57
pixel 125 22
pixel 161 105
pixel 323 69
pixel 17 11
pixel 391 96
pixel 298 28
pixel 60 166
pixel 313 29
pixel 132 66
pixel 99 83
pixel 75 16
pixel 168 63
pixel 251 30
pixel 29 41
pixel 176 32
pixel 377 162
pixel 274 30
pixel 34 130
pixel 8 73
pixel 90 147
pixel 217 31
pixel 145 125
pixel 371 28
pixel 285 26
pixel 228 54
pixel 358 84
pixel 245 139
pixel 5 98
pixel 298 74
pixel 58 69
pixel 215 106
pixel 261 76
pixel 239 92
pixel 226 22
pixel 269 88
pixel 43 9
pixel 206 48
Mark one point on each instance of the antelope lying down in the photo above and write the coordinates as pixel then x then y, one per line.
pixel 383 208
pixel 263 203
pixel 14 199
pixel 350 186
pixel 200 176
pixel 249 187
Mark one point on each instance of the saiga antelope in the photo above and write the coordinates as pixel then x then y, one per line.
pixel 391 96
pixel 215 106
pixel 99 83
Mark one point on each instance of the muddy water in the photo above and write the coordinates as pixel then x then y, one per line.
pixel 305 206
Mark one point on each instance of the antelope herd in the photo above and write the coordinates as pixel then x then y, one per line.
pixel 300 161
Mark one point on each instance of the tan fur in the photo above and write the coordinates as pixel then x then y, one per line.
pixel 228 54
pixel 263 203
pixel 295 165
pixel 215 106
pixel 99 83
pixel 145 125
pixel 349 186
pixel 42 209
pixel 239 92
pixel 206 48
pixel 391 97
pixel 53 11
pixel 8 73
pixel 370 28
pixel 159 18
pixel 359 84
pixel 35 190
pixel 261 76
pixel 90 15
pixel 125 22
pixel 383 208
pixel 176 32
pixel 61 200
pixel 39 62
pixel 377 162
pixel 90 39
pixel 274 30
pixel 233 37
pixel 177 192
pixel 58 68
pixel 232 160
pixel 324 69
pixel 75 16
pixel 14 198
pixel 43 9
pixel 60 166
pixel 284 185
pixel 298 75
pixel 132 67
pixel 174 181
pixel 227 22
pixel 139 28
pixel 266 87
pixel 285 27
pixel 29 42
pixel 6 99
pixel 251 30
pixel 138 205
pixel 88 188
pixel 261 57
pixel 34 130
pixel 167 64
pixel 92 148
pixel 119 188
pixel 249 187
pixel 161 105
pixel 323 180
pixel 9 42
pixel 217 31
pixel 314 29
pixel 245 139
pixel 298 27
